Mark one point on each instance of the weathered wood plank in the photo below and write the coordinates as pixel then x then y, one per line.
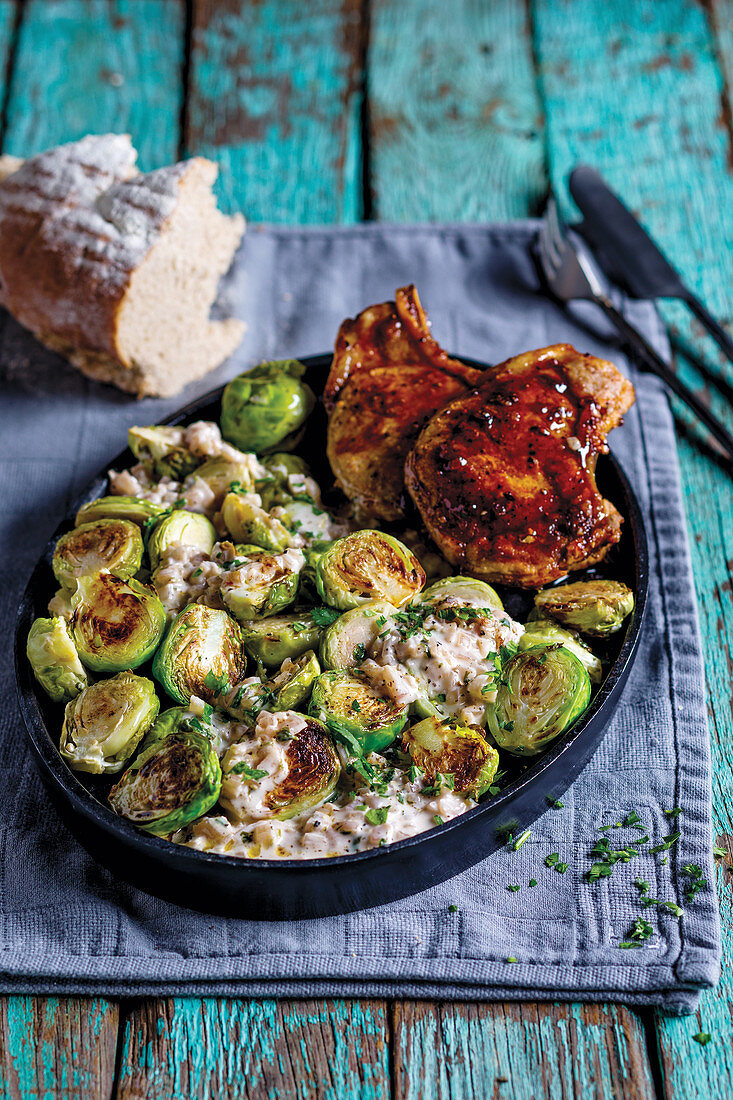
pixel 455 125
pixel 284 1050
pixel 522 1051
pixel 60 1048
pixel 90 65
pixel 636 90
pixel 275 98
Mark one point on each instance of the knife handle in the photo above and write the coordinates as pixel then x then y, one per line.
pixel 655 362
pixel 718 333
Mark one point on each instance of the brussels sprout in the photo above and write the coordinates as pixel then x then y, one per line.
pixel 162 451
pixel 54 660
pixel 189 528
pixel 344 643
pixel 274 639
pixel 221 473
pixel 246 522
pixel 355 712
pixel 547 632
pixel 592 607
pixel 368 565
pixel 263 585
pixel 313 772
pixel 135 509
pixel 115 624
pixel 170 784
pixel 167 722
pixel 266 407
pixel 109 545
pixel 285 465
pixel 303 516
pixel 292 685
pixel 464 590
pixel 201 654
pixel 104 725
pixel 461 751
pixel 541 692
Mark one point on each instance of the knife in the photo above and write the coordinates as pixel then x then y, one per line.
pixel 628 253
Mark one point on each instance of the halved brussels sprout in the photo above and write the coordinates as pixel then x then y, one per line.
pixel 201 654
pixel 592 607
pixel 54 659
pixel 459 751
pixel 541 692
pixel 266 407
pixel 188 528
pixel 246 522
pixel 221 473
pixel 167 722
pixel 115 624
pixel 162 452
pixel 135 509
pixel 368 565
pixel 170 784
pixel 464 590
pixel 303 517
pixel 344 643
pixel 109 545
pixel 355 712
pixel 285 465
pixel 292 685
pixel 313 772
pixel 263 585
pixel 547 632
pixel 274 639
pixel 104 725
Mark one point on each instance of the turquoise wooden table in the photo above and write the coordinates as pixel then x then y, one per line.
pixel 328 111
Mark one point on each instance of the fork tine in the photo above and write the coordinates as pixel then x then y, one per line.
pixel 555 228
pixel 548 252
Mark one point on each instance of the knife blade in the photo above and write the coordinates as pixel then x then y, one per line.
pixel 628 254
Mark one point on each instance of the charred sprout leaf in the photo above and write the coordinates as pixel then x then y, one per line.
pixel 592 607
pixel 104 725
pixel 466 591
pixel 266 407
pixel 200 655
pixel 115 624
pixel 162 452
pixel 440 748
pixel 292 685
pixel 344 643
pixel 541 692
pixel 263 585
pixel 135 509
pixel 547 632
pixel 221 473
pixel 188 528
pixel 371 727
pixel 170 784
pixel 368 565
pixel 54 659
pixel 247 522
pixel 107 545
pixel 278 637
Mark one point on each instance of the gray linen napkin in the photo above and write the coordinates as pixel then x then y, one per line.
pixel 67 925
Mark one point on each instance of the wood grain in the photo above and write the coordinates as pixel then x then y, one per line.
pixel 455 125
pixel 88 66
pixel 526 1052
pixel 285 1050
pixel 275 98
pixel 652 123
pixel 59 1048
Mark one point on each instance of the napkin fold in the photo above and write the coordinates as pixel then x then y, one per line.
pixel 66 925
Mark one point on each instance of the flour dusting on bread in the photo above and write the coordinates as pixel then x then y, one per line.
pixel 115 269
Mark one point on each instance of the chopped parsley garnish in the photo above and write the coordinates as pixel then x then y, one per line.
pixel 452 908
pixel 438 819
pixel 721 852
pixel 377 815
pixel 243 768
pixel 197 572
pixel 217 684
pixel 552 859
pixel 703 1038
pixel 324 616
pixel 284 736
pixel 641 931
pixel 355 705
pixel 511 959
pixel 513 887
pixel 555 803
pixel 674 813
pixel 414 772
pixel 360 652
pixel 667 842
pixel 533 882
pixel 697 882
pixel 561 868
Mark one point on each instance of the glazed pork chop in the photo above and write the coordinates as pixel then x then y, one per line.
pixel 504 476
pixel 388 376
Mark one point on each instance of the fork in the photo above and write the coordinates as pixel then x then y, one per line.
pixel 570 275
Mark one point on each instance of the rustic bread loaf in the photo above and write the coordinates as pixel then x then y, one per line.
pixel 115 269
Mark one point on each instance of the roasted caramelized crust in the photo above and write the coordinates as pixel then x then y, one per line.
pixel 388 376
pixel 504 476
